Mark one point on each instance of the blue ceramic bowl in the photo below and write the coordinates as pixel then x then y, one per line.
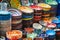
pixel 57 22
pixel 58 17
pixel 58 1
pixel 38 31
pixel 51 33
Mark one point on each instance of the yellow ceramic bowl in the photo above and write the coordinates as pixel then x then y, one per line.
pixel 45 7
pixel 47 20
pixel 26 9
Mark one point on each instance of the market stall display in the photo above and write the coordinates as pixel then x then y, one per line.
pixel 29 20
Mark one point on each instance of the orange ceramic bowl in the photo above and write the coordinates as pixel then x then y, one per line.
pixel 29 30
pixel 14 34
